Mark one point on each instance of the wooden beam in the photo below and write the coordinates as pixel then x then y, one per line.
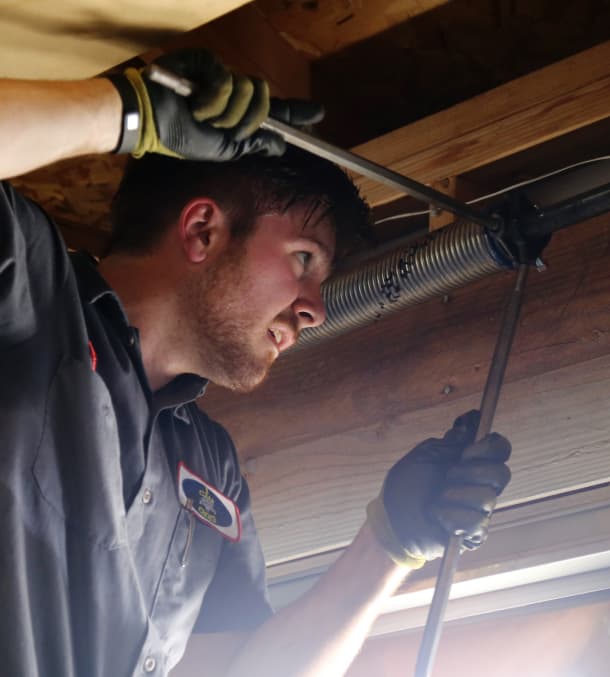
pixel 543 105
pixel 246 42
pixel 80 38
pixel 311 497
pixel 320 28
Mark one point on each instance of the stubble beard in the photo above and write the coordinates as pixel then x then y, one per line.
pixel 224 330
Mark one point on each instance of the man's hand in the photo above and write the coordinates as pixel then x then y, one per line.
pixel 218 122
pixel 442 487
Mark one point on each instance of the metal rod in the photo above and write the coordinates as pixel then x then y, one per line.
pixel 344 158
pixel 573 210
pixel 489 401
pixel 378 173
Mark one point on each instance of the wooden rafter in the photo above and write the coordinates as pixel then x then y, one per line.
pixel 543 105
pixel 79 38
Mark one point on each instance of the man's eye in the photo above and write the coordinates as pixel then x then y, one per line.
pixel 304 258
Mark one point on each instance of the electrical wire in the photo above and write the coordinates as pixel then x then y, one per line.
pixel 502 191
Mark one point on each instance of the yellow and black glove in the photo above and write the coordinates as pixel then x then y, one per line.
pixel 442 487
pixel 219 121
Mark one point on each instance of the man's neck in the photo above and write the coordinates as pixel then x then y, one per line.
pixel 146 294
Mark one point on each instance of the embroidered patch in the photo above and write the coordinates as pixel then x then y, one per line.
pixel 208 504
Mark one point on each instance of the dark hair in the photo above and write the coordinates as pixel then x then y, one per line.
pixel 155 189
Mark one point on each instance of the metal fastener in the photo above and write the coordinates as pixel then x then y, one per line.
pixel 150 664
pixel 540 265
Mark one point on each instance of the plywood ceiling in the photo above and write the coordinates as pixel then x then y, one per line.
pixel 81 38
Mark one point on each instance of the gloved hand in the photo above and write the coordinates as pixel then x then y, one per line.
pixel 218 122
pixel 442 487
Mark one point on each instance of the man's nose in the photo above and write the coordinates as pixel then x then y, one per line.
pixel 309 307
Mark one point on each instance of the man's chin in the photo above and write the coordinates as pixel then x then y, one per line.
pixel 247 380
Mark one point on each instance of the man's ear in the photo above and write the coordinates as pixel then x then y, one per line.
pixel 203 229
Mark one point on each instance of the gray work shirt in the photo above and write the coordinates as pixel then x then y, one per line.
pixel 112 498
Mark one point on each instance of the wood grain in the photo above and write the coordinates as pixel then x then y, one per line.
pixel 79 38
pixel 320 28
pixel 246 42
pixel 548 103
pixel 311 497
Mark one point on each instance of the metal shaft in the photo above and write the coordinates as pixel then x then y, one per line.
pixel 378 173
pixel 344 158
pixel 489 401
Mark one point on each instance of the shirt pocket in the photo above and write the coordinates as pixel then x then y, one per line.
pixel 77 466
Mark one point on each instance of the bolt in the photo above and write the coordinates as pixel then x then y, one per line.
pixel 447 389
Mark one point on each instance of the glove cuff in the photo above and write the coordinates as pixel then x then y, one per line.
pixel 377 519
pixel 131 121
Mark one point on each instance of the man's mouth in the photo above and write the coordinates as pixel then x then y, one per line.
pixel 281 338
pixel 276 335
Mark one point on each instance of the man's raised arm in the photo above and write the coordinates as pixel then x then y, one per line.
pixel 41 122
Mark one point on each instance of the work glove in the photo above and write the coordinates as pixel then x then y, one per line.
pixel 442 487
pixel 217 122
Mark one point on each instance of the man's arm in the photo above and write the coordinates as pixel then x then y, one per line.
pixel 41 122
pixel 320 634
pixel 443 486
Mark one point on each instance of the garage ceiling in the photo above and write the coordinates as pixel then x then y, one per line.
pixel 377 66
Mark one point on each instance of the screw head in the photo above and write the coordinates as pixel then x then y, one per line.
pixel 540 265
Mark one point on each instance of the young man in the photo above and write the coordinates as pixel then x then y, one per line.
pixel 125 521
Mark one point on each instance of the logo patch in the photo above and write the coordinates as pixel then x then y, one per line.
pixel 208 504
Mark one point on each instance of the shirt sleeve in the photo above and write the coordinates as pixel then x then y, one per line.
pixel 237 598
pixel 33 265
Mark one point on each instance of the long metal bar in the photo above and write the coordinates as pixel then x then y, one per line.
pixel 344 158
pixel 378 173
pixel 573 210
pixel 489 401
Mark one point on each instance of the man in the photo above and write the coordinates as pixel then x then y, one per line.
pixel 125 521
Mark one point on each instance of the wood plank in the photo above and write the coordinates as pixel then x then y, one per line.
pixel 246 41
pixel 80 38
pixel 312 497
pixel 406 361
pixel 543 105
pixel 320 28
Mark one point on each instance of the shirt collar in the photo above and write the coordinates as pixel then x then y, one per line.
pixel 93 289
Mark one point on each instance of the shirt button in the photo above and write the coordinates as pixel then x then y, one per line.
pixel 147 496
pixel 132 340
pixel 150 664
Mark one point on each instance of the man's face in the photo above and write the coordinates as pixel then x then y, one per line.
pixel 259 294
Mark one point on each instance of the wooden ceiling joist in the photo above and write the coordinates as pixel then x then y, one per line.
pixel 69 39
pixel 526 112
pixel 320 28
